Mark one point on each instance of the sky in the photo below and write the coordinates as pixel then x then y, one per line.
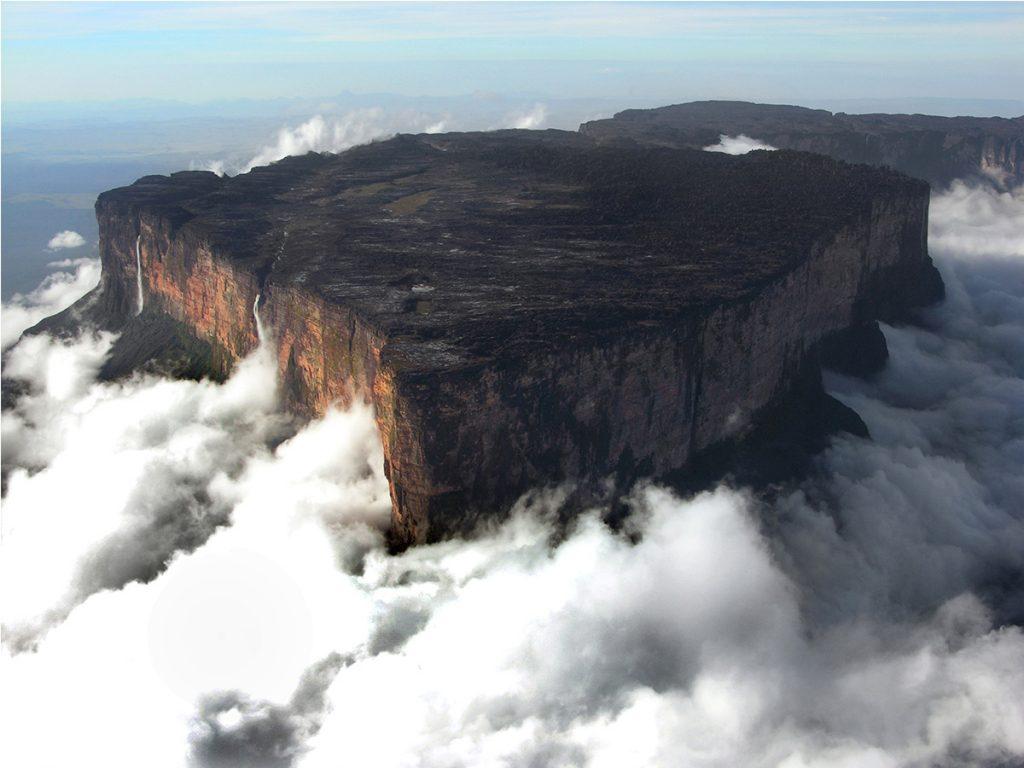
pixel 198 52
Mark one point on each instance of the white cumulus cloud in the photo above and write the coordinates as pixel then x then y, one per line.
pixel 65 239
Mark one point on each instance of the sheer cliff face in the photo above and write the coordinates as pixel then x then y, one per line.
pixel 936 149
pixel 645 403
pixel 524 310
pixel 181 277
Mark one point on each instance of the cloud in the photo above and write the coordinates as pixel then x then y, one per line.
pixel 220 167
pixel 197 552
pixel 65 239
pixel 359 126
pixel 972 221
pixel 57 292
pixel 232 731
pixel 530 120
pixel 737 145
pixel 67 263
pixel 122 470
pixel 868 616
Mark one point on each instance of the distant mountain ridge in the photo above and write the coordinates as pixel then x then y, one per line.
pixel 936 149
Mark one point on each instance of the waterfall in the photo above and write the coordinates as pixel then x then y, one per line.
pixel 138 274
pixel 256 314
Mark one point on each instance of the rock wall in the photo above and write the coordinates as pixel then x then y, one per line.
pixel 1003 160
pixel 182 277
pixel 645 404
pixel 463 445
pixel 934 156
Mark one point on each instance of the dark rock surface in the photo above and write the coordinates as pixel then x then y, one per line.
pixel 936 149
pixel 522 308
pixel 467 247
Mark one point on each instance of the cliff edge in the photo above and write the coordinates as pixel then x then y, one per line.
pixel 521 308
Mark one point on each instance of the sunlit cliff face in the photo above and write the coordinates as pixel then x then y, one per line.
pixel 191 579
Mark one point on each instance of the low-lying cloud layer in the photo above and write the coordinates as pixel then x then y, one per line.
pixel 58 291
pixel 737 145
pixel 213 587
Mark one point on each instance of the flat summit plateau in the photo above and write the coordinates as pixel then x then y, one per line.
pixel 522 308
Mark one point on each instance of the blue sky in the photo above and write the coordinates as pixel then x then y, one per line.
pixel 212 51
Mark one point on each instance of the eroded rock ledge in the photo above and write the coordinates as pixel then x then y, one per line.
pixel 521 308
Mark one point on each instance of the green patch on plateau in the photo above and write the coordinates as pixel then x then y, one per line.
pixel 403 206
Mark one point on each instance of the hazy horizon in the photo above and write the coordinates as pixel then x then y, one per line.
pixel 660 52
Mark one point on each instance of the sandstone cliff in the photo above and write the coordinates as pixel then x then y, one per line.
pixel 936 149
pixel 521 308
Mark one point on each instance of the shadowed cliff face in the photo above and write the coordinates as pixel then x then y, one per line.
pixel 936 149
pixel 521 308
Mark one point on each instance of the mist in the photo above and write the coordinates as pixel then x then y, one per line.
pixel 59 290
pixel 187 567
pixel 333 134
pixel 358 126
pixel 737 145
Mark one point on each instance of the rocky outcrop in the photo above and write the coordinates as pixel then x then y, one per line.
pixel 523 308
pixel 936 149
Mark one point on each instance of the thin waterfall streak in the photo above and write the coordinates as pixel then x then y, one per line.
pixel 138 274
pixel 256 314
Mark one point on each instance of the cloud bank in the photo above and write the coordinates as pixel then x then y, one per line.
pixel 737 145
pixel 868 617
pixel 65 239
pixel 57 292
